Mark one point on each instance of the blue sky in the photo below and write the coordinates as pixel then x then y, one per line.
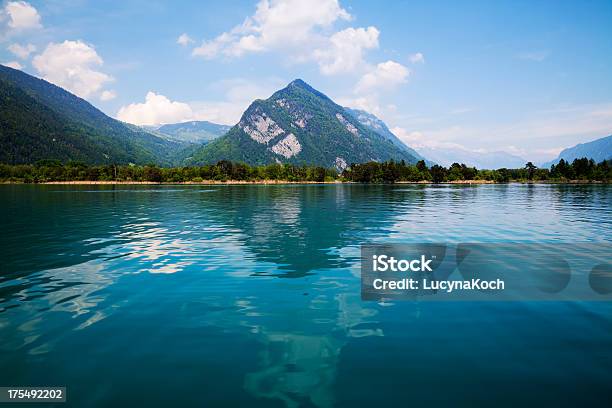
pixel 526 77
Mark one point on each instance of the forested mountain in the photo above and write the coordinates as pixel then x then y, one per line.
pixel 39 120
pixel 598 150
pixel 299 124
pixel 194 131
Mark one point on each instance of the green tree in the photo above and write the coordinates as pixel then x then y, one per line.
pixel 531 168
pixel 438 173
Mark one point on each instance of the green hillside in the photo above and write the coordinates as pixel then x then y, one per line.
pixel 39 120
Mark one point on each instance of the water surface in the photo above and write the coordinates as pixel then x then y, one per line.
pixel 250 296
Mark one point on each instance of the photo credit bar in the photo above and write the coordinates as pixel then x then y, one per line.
pixel 490 272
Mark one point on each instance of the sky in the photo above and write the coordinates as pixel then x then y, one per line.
pixel 529 78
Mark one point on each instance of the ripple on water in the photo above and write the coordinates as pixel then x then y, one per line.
pixel 269 276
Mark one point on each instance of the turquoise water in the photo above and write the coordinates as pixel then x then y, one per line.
pixel 250 296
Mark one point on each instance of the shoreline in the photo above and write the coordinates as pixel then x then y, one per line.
pixel 285 182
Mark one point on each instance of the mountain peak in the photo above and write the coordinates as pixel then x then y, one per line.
pixel 299 86
pixel 299 83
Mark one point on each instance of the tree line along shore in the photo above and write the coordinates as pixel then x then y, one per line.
pixel 52 171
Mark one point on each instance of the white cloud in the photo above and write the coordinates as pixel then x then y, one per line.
pixel 417 58
pixel 13 64
pixel 385 75
pixel 344 52
pixel 222 112
pixel 412 139
pixel 302 30
pixel 108 95
pixel 22 51
pixel 21 15
pixel 538 137
pixel 238 95
pixel 157 109
pixel 369 104
pixel 240 90
pixel 275 24
pixel 184 39
pixel 72 65
pixel 419 140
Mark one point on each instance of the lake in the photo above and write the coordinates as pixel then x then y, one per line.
pixel 133 295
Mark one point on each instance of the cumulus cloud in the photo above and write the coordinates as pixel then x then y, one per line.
pixel 13 64
pixel 302 30
pixel 369 104
pixel 416 139
pixel 72 65
pixel 345 50
pixel 373 86
pixel 417 58
pixel 156 109
pixel 385 75
pixel 22 51
pixel 20 15
pixel 275 24
pixel 108 95
pixel 184 39
pixel 238 93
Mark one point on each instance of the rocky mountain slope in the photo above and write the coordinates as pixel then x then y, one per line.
pixel 375 124
pixel 300 125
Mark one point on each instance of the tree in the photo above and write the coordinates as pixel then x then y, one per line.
pixel 421 166
pixel 438 173
pixel 152 173
pixel 531 168
pixel 454 172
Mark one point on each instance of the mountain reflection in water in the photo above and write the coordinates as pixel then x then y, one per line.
pixel 239 295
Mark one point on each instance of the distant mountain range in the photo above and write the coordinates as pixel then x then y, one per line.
pixel 491 160
pixel 299 124
pixel 39 120
pixel 193 132
pixel 598 150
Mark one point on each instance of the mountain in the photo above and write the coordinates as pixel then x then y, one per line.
pixel 376 125
pixel 300 125
pixel 598 150
pixel 193 132
pixel 492 160
pixel 39 120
